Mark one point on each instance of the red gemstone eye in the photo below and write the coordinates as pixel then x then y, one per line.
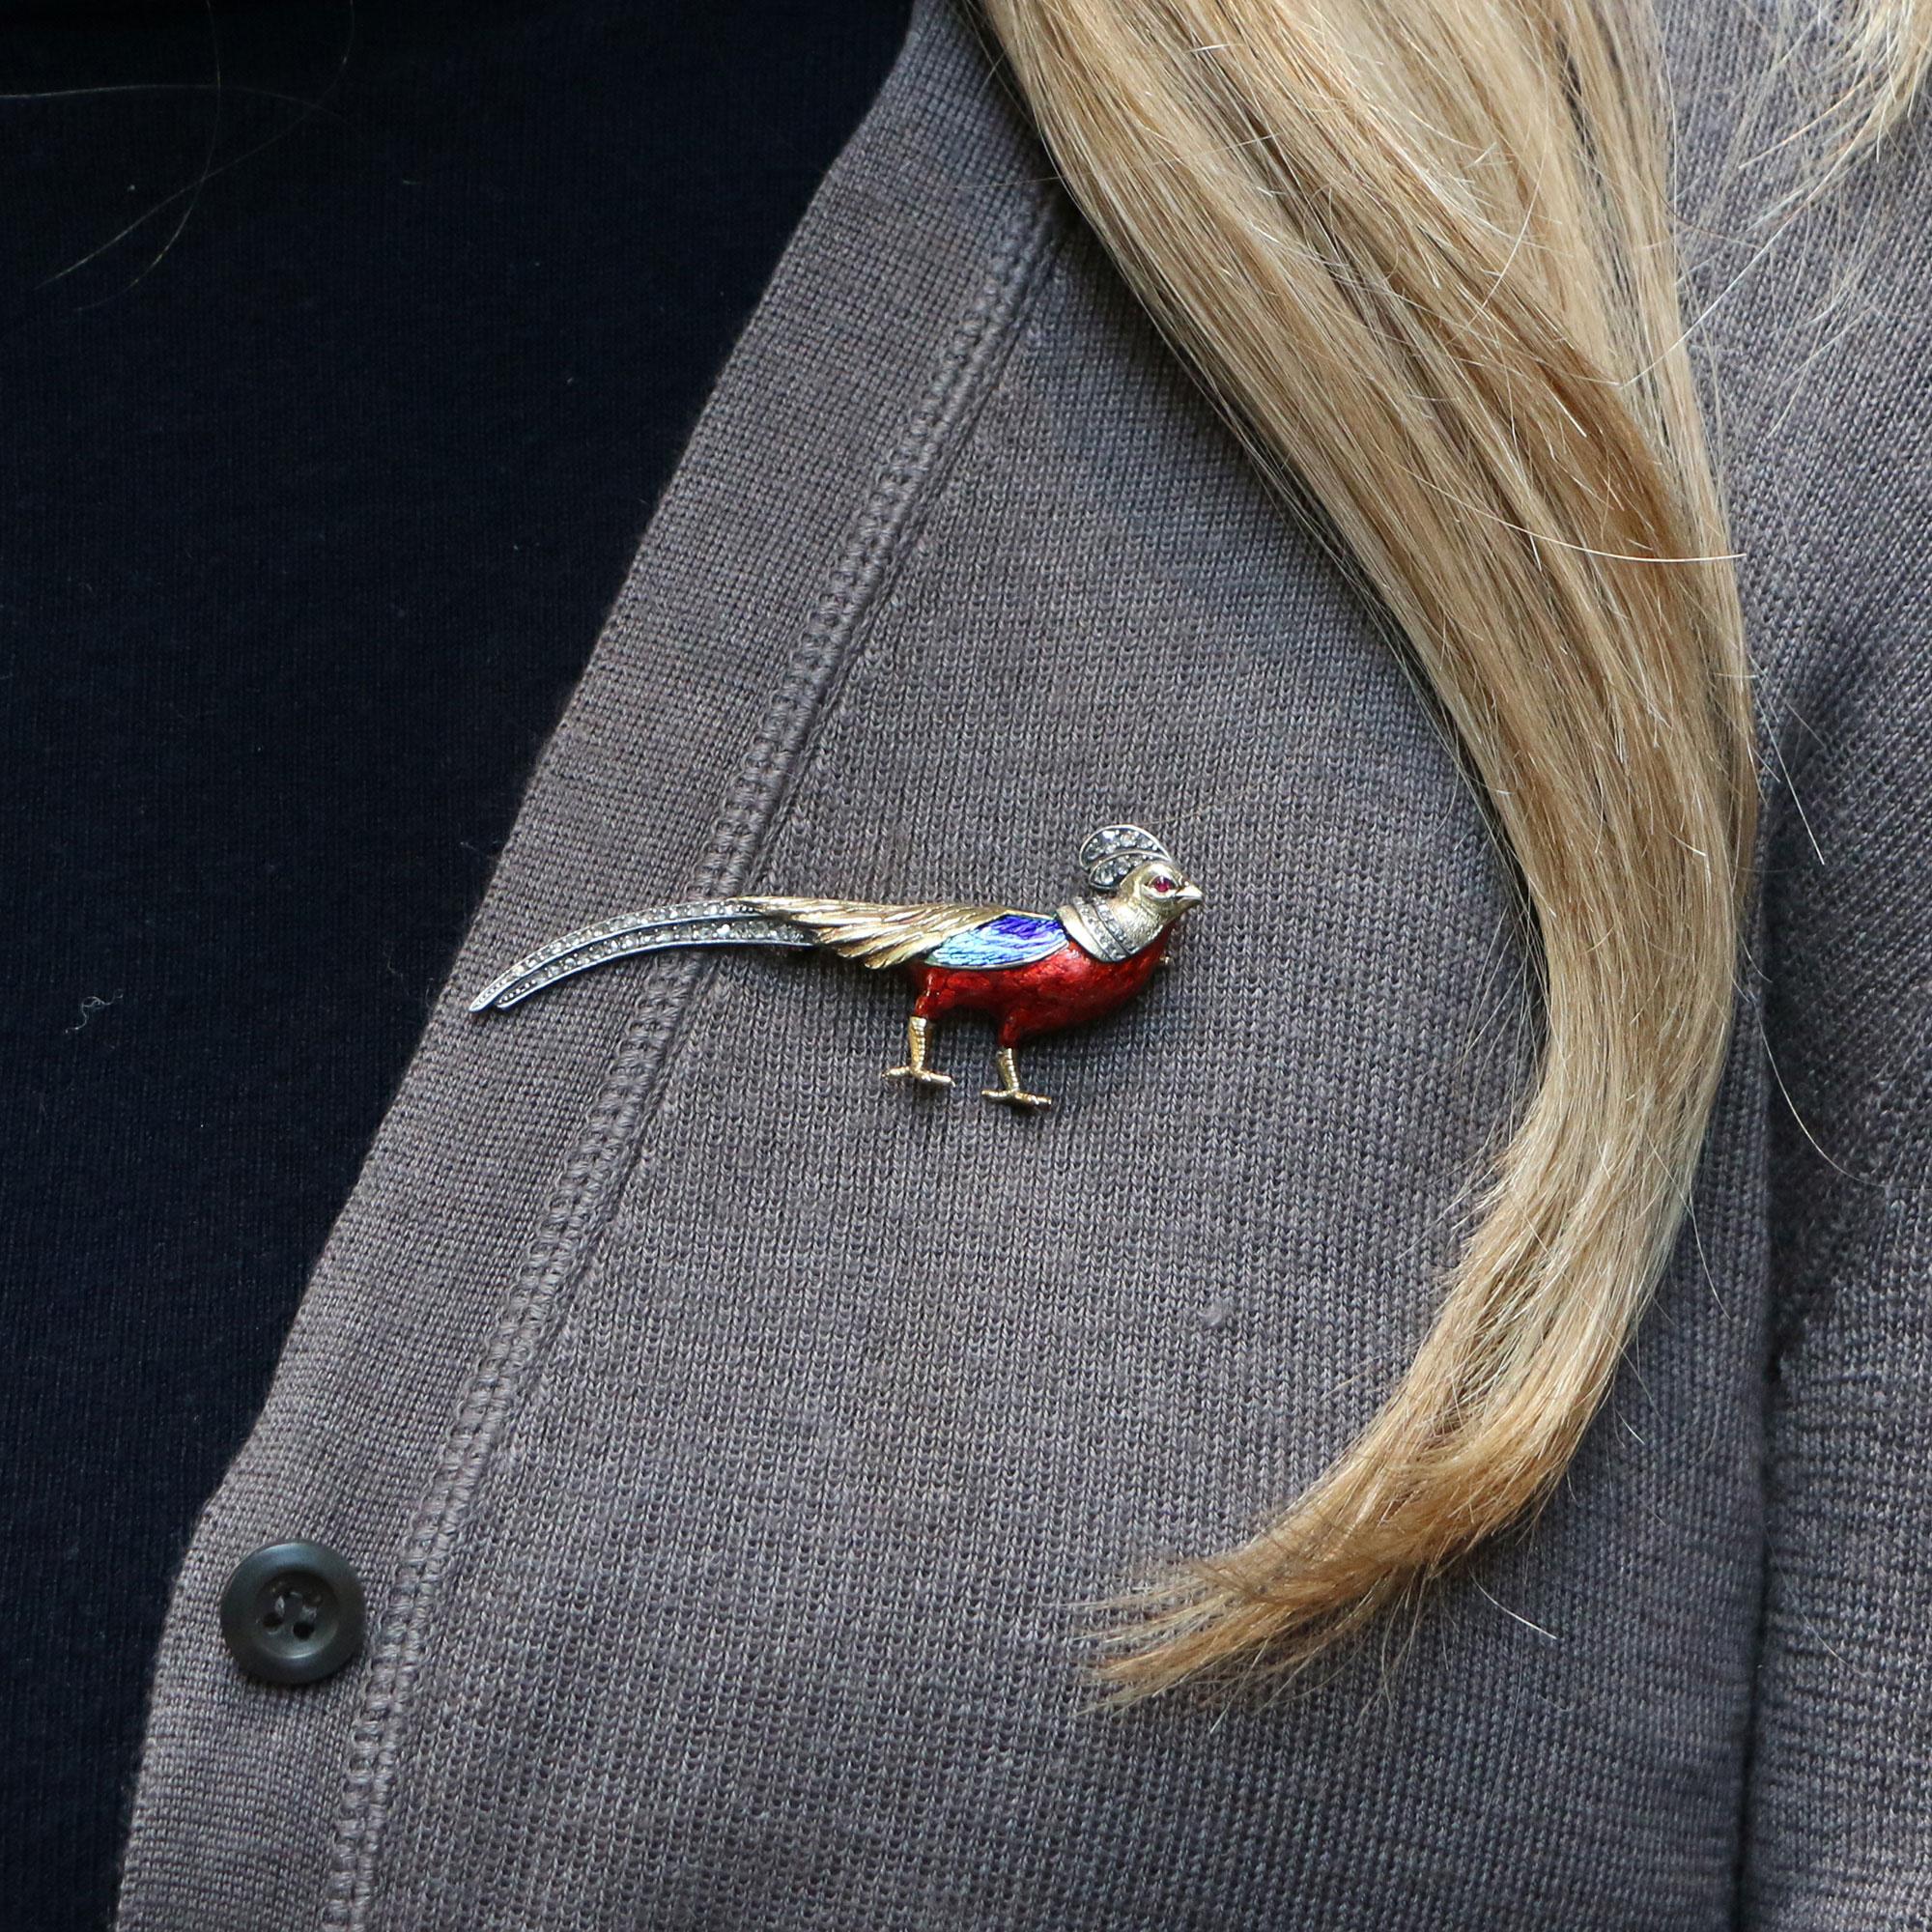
pixel 1163 884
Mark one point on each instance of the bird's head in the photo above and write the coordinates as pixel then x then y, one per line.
pixel 1132 868
pixel 1160 889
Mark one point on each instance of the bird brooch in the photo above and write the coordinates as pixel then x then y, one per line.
pixel 1029 973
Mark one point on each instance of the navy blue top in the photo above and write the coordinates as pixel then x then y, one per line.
pixel 339 396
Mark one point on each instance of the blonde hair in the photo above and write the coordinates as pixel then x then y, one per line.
pixel 1423 254
pixel 1888 54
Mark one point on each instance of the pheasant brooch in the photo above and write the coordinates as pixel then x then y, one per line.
pixel 1029 973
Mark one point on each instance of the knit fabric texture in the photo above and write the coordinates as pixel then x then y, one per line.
pixel 728 1440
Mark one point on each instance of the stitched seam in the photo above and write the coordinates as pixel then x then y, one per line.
pixel 590 1182
pixel 1896 1097
pixel 1893 1095
pixel 1906 1203
pixel 941 486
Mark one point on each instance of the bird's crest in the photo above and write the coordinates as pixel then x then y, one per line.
pixel 1113 851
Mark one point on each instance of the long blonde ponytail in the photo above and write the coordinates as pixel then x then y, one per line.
pixel 1422 253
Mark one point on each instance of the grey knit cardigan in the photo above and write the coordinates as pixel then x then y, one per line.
pixel 727 1442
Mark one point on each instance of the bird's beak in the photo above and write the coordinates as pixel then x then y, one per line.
pixel 1189 896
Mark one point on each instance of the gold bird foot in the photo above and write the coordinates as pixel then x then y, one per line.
pixel 1013 1093
pixel 924 1075
pixel 919 1040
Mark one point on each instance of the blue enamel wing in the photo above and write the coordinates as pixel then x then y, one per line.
pixel 1013 939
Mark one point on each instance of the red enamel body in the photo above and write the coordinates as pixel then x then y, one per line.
pixel 1065 989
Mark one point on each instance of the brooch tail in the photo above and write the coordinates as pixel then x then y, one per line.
pixel 698 923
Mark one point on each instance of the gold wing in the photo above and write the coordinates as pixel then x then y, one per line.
pixel 877 935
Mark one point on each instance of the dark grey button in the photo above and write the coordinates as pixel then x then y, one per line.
pixel 292 1613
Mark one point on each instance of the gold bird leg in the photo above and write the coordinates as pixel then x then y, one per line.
pixel 1012 1092
pixel 918 1035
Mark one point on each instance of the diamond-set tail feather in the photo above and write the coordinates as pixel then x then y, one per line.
pixel 1029 973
